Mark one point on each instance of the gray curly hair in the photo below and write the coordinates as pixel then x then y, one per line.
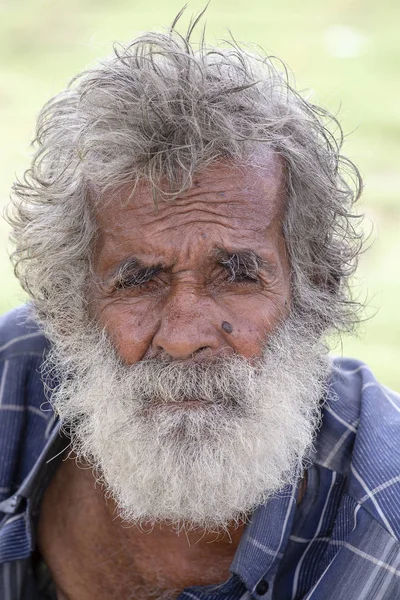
pixel 161 109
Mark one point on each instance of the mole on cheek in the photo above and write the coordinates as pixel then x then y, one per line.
pixel 226 326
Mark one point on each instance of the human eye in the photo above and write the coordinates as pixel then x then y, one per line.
pixel 137 278
pixel 241 269
pixel 243 275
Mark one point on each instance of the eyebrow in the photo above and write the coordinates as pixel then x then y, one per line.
pixel 244 263
pixel 132 271
pixel 239 263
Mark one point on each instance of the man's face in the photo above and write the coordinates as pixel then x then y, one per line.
pixel 204 275
pixel 202 398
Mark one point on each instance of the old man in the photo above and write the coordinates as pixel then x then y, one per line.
pixel 171 425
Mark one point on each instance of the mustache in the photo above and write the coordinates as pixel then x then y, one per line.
pixel 216 380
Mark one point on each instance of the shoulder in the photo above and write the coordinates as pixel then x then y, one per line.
pixel 23 347
pixel 372 414
pixel 25 421
pixel 362 401
pixel 20 334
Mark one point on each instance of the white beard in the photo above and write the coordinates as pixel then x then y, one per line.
pixel 192 466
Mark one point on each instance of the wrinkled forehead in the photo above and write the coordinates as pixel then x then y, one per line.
pixel 256 187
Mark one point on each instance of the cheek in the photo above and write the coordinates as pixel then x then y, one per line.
pixel 130 325
pixel 253 320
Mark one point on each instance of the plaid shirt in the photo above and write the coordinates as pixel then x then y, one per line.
pixel 342 541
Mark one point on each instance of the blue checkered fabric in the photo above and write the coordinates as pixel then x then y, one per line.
pixel 340 542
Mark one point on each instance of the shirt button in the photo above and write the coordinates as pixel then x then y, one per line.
pixel 262 587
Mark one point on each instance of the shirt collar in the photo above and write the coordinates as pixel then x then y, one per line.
pixel 41 472
pixel 265 538
pixel 17 531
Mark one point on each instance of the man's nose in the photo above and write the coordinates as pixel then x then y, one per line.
pixel 187 327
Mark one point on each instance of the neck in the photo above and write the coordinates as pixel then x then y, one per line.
pixel 88 548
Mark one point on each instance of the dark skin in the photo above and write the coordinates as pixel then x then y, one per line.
pixel 206 275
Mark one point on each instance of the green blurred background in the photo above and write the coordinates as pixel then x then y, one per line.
pixel 347 53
